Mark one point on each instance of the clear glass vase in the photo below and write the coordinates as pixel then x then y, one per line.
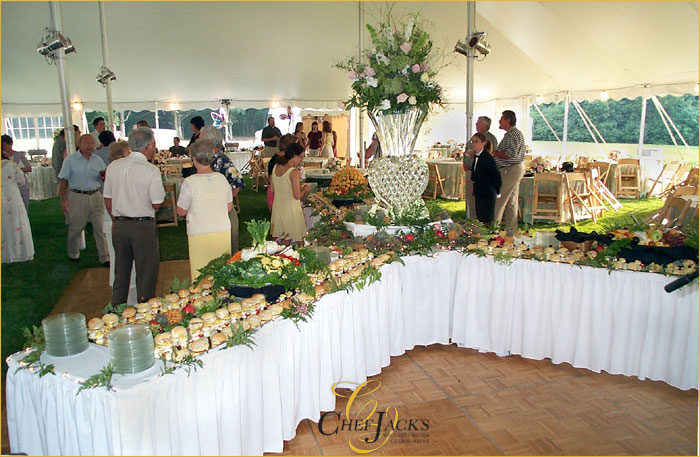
pixel 397 178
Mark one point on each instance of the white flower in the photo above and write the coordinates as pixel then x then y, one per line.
pixel 411 100
pixel 386 104
pixel 404 70
pixel 424 77
pixel 372 81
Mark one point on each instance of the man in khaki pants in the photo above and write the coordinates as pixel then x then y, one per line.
pixel 83 173
pixel 483 124
pixel 510 156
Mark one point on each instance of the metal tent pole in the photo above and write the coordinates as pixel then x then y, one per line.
pixel 566 125
pixel 157 132
pixel 62 82
pixel 643 121
pixel 105 63
pixel 471 15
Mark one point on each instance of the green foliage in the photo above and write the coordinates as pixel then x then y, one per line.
pixel 618 120
pixel 115 309
pixel 209 307
pixel 189 363
pixel 310 260
pixel 605 258
pixel 358 192
pixel 503 258
pixel 251 273
pixel 327 232
pixel 213 266
pixel 298 312
pixel 413 216
pixel 178 285
pixel 34 338
pixel 101 379
pixel 241 337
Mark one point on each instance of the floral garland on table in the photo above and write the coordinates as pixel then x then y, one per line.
pixel 398 72
pixel 540 165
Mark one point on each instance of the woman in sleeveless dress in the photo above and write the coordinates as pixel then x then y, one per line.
pixel 288 223
pixel 17 243
pixel 328 141
pixel 206 199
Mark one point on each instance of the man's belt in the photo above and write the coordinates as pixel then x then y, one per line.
pixel 124 218
pixel 85 192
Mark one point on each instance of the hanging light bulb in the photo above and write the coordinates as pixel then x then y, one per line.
pixel 77 105
pixel 539 99
pixel 604 95
pixel 697 88
pixel 275 104
pixel 174 106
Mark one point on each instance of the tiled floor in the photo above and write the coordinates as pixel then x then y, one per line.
pixel 481 404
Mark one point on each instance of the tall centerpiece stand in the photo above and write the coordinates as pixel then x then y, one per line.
pixel 396 85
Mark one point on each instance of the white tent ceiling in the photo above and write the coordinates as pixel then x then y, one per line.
pixel 196 53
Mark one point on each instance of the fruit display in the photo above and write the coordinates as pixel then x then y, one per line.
pixel 349 182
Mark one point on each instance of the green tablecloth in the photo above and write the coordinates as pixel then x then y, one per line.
pixel 42 183
pixel 450 170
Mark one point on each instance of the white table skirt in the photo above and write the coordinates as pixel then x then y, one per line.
pixel 249 401
pixel 239 159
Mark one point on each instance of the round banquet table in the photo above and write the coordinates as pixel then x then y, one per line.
pixel 450 170
pixel 240 160
pixel 42 183
pixel 246 401
pixel 322 177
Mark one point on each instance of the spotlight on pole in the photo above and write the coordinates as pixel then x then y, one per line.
pixel 477 41
pixel 105 75
pixel 52 42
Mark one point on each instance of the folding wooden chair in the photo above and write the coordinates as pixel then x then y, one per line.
pixel 578 197
pixel 675 212
pixel 598 186
pixel 548 202
pixel 628 182
pixel 461 185
pixel 435 179
pixel 258 174
pixel 603 170
pixel 169 202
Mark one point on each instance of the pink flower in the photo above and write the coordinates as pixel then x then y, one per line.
pixel 405 47
pixel 415 68
pixel 371 72
pixel 425 67
pixel 363 74
pixel 352 75
pixel 402 97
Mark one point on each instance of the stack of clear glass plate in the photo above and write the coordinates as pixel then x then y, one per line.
pixel 131 349
pixel 65 334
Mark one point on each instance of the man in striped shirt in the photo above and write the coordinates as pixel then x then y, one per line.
pixel 510 156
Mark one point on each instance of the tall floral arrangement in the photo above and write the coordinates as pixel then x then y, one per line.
pixel 398 72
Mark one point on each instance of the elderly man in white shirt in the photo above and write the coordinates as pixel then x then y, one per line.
pixel 133 193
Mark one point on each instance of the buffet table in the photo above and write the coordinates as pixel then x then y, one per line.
pixel 248 401
pixel 42 183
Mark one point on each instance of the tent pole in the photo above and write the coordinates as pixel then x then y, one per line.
pixel 360 114
pixel 62 81
pixel 581 114
pixel 105 63
pixel 643 121
pixel 157 132
pixel 547 122
pixel 566 125
pixel 471 13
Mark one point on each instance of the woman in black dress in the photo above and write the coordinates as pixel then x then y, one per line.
pixel 486 177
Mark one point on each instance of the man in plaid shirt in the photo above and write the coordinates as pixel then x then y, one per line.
pixel 510 156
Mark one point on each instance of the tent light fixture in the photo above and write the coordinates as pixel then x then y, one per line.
pixel 604 95
pixel 477 41
pixel 174 106
pixel 52 42
pixel 105 75
pixel 275 104
pixel 539 99
pixel 697 88
pixel 76 105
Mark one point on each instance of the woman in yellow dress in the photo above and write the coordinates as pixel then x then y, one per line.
pixel 206 199
pixel 328 140
pixel 288 223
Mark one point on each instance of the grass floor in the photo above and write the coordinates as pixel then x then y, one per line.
pixel 30 290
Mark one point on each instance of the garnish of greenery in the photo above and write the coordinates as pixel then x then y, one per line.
pixel 373 219
pixel 424 238
pixel 258 231
pixel 251 273
pixel 189 363
pixel 368 276
pixel 358 192
pixel 115 309
pixel 178 285
pixel 692 239
pixel 293 314
pixel 213 266
pixel 34 338
pixel 241 337
pixel 605 257
pixel 503 258
pixel 101 379
pixel 413 216
pixel 327 232
pixel 310 260
pixel 209 307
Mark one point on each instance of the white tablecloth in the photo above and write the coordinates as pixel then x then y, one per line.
pixel 239 159
pixel 249 401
